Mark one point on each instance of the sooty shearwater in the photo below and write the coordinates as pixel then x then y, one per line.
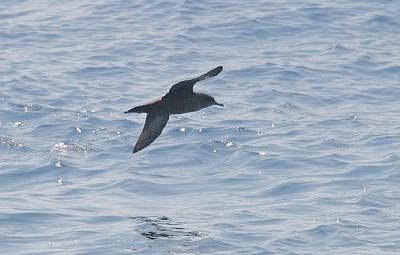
pixel 179 99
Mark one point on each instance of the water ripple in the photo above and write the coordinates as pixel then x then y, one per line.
pixel 303 159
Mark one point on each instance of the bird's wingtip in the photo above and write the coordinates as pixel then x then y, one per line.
pixel 213 72
pixel 136 149
pixel 218 69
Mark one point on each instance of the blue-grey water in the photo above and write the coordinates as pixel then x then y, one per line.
pixel 303 159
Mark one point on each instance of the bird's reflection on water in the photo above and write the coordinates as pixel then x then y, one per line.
pixel 162 227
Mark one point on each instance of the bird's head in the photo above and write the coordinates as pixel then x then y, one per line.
pixel 207 100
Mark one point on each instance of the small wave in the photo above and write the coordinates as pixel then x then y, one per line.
pixel 20 14
pixel 321 230
pixel 290 105
pixel 64 148
pixel 17 124
pixel 289 189
pixel 395 70
pixel 385 140
pixel 26 107
pixel 102 71
pixel 287 74
pixel 226 143
pixel 383 20
pixel 81 114
pixel 249 130
pixel 340 49
pixel 10 142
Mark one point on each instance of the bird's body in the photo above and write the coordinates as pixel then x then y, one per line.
pixel 179 99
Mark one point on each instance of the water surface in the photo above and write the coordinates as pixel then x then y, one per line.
pixel 303 159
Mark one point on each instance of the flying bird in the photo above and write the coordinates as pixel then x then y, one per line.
pixel 180 99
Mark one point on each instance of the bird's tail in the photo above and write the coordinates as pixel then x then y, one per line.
pixel 139 109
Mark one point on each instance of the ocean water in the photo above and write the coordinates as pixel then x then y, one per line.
pixel 303 159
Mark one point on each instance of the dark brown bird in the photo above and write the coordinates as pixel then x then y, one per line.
pixel 179 99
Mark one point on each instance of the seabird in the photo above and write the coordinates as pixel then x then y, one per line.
pixel 180 99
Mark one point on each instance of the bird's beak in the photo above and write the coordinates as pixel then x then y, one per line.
pixel 216 103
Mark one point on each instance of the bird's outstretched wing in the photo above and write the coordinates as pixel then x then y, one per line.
pixel 186 86
pixel 153 127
